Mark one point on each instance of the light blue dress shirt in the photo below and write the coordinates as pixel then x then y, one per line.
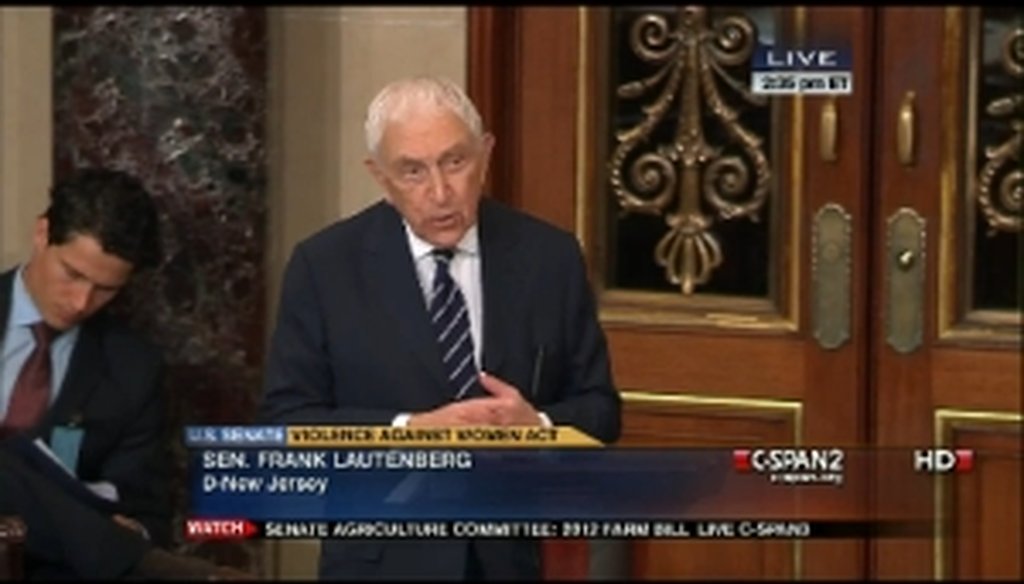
pixel 17 344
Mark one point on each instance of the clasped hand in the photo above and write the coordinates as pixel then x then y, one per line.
pixel 504 406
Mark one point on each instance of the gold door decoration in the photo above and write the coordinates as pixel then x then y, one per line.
pixel 671 179
pixel 993 221
pixel 982 101
pixel 1001 180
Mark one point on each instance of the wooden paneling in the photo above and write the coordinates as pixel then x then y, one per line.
pixel 547 101
pixel 565 559
pixel 662 560
pixel 860 394
pixel 494 69
pixel 526 91
pixel 903 382
pixel 676 362
pixel 683 421
pixel 985 506
pixel 970 375
pixel 978 379
pixel 666 421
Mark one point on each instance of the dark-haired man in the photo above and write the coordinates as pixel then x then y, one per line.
pixel 71 375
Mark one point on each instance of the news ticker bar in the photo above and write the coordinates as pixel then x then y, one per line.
pixel 386 437
pixel 716 529
pixel 774 459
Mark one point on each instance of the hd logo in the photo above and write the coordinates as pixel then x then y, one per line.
pixel 942 460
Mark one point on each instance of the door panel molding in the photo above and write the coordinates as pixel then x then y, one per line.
pixel 790 411
pixel 644 361
pixel 962 196
pixel 995 438
pixel 663 419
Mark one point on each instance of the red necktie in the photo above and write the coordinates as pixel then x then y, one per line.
pixel 31 395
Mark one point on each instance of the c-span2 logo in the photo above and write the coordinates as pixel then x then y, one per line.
pixel 793 466
pixel 801 71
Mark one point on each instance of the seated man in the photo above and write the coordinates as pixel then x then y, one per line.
pixel 66 538
pixel 71 375
pixel 87 387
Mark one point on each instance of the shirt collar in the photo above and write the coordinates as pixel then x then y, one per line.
pixel 24 311
pixel 470 242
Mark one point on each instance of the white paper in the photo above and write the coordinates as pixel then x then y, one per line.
pixel 42 446
pixel 103 489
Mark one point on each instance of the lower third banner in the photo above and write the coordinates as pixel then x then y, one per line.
pixel 203 528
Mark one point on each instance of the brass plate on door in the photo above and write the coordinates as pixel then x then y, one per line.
pixel 830 276
pixel 904 310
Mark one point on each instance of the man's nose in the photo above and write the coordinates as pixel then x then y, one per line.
pixel 80 296
pixel 439 187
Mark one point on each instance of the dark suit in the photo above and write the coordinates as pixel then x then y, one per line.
pixel 65 539
pixel 113 391
pixel 353 345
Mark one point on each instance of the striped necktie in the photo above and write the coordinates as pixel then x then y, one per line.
pixel 449 317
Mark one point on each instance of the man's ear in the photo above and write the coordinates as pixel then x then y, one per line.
pixel 487 140
pixel 378 176
pixel 41 233
pixel 486 147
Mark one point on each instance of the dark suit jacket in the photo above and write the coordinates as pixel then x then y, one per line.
pixel 353 345
pixel 65 538
pixel 113 391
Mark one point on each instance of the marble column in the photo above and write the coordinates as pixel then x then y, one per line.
pixel 178 97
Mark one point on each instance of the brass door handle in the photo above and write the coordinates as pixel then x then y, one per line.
pixel 905 276
pixel 832 239
pixel 905 259
pixel 905 130
pixel 829 130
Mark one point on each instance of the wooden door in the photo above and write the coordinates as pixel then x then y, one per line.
pixel 950 188
pixel 773 332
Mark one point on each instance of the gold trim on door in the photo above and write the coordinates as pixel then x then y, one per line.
pixel 945 419
pixel 794 409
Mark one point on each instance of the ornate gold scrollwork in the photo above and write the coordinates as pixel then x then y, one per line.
pixel 1004 159
pixel 688 168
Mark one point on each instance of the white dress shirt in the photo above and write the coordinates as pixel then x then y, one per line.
pixel 464 269
pixel 17 343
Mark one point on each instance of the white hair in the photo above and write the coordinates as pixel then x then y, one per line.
pixel 398 97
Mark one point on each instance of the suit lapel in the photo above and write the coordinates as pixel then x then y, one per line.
pixel 500 273
pixel 391 275
pixel 392 278
pixel 84 373
pixel 84 370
